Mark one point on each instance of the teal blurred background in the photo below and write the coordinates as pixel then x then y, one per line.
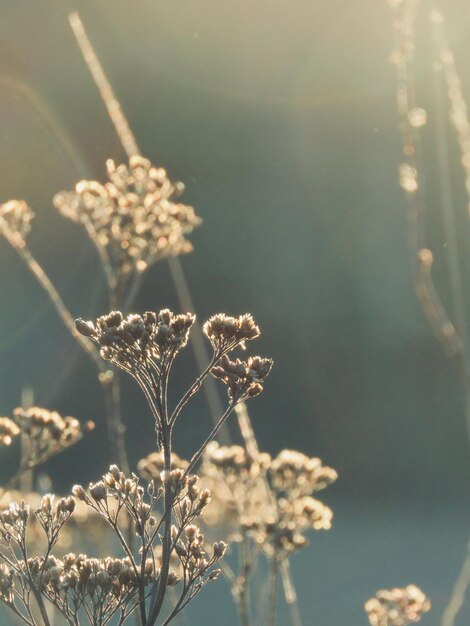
pixel 280 118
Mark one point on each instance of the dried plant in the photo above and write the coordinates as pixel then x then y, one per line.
pixel 84 531
pixel 145 347
pixel 397 607
pixel 15 221
pixel 94 590
pixel 132 219
pixel 45 433
pixel 266 506
pixel 48 433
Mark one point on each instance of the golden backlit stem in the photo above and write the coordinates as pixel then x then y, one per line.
pixel 458 594
pixel 112 104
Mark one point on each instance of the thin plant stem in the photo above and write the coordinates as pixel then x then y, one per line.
pixel 446 73
pixel 112 104
pixel 290 593
pixel 26 477
pixel 457 599
pixel 212 435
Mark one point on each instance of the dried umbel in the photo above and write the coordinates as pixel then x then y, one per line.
pixel 8 431
pixel 92 590
pixel 84 530
pixel 268 499
pixel 48 432
pixel 243 378
pixel 15 221
pixel 146 345
pixel 137 342
pixel 292 471
pixel 134 216
pixel 193 561
pixel 397 607
pixel 99 587
pixel 225 332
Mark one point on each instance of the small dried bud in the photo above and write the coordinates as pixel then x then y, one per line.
pixel 79 492
pixel 220 547
pixel 98 491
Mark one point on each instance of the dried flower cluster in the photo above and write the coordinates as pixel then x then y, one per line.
pixel 15 221
pixel 86 530
pixel 397 607
pixel 48 432
pixel 96 589
pixel 135 341
pixel 99 587
pixel 268 498
pixel 194 565
pixel 133 215
pixel 75 585
pixel 146 346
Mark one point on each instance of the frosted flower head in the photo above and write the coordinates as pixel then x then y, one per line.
pixel 48 432
pixel 397 607
pixel 271 499
pixel 291 470
pixel 132 342
pixel 225 332
pixel 134 215
pixel 244 379
pixel 15 221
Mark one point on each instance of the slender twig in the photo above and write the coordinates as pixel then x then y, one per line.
pixel 457 599
pixel 196 457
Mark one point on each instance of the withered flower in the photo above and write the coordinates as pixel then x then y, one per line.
pixel 48 432
pixel 268 499
pixel 136 342
pixel 225 332
pixel 243 378
pixel 134 215
pixel 15 221
pixel 397 607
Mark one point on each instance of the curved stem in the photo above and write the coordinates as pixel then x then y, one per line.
pixel 209 438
